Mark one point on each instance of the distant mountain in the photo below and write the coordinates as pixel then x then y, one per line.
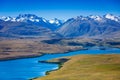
pixel 56 21
pixel 32 25
pixel 27 25
pixel 24 18
pixel 100 26
pixel 19 29
pixel 31 18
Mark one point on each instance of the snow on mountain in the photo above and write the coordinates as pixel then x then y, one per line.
pixel 6 18
pixel 27 17
pixel 13 19
pixel 80 18
pixel 97 18
pixel 55 21
pixel 111 17
pixel 30 17
pixel 52 21
pixel 45 20
pixel 90 26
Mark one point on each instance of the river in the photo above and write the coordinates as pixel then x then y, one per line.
pixel 24 69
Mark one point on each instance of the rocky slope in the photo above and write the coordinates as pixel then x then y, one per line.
pixel 81 26
pixel 28 25
pixel 105 26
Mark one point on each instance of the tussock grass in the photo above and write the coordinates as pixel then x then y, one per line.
pixel 88 67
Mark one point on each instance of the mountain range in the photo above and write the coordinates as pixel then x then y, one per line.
pixel 89 26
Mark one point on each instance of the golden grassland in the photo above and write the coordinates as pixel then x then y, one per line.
pixel 87 67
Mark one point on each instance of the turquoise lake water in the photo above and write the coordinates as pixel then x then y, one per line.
pixel 24 69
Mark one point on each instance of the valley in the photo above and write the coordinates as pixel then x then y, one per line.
pixel 28 35
pixel 27 39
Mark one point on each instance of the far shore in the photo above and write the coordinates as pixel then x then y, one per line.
pixel 34 55
pixel 26 48
pixel 19 57
pixel 34 47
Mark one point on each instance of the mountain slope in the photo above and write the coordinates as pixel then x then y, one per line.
pixel 31 18
pixel 18 29
pixel 32 25
pixel 90 26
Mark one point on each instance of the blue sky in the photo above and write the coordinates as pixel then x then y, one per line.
pixel 62 9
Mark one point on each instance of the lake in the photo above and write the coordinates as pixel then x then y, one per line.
pixel 24 69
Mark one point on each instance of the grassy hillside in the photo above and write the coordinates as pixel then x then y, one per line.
pixel 87 67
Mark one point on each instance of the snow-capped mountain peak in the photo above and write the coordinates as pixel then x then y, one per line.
pixel 33 18
pixel 44 20
pixel 6 18
pixel 27 17
pixel 13 19
pixel 55 21
pixel 52 21
pixel 96 17
pixel 111 17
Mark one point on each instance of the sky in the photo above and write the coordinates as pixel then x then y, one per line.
pixel 62 9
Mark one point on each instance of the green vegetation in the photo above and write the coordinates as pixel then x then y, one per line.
pixel 59 61
pixel 87 67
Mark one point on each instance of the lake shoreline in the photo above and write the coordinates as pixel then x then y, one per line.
pixel 35 55
pixel 20 57
pixel 49 58
pixel 61 64
pixel 40 54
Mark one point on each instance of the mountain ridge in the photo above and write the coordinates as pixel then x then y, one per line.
pixel 90 26
pixel 30 24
